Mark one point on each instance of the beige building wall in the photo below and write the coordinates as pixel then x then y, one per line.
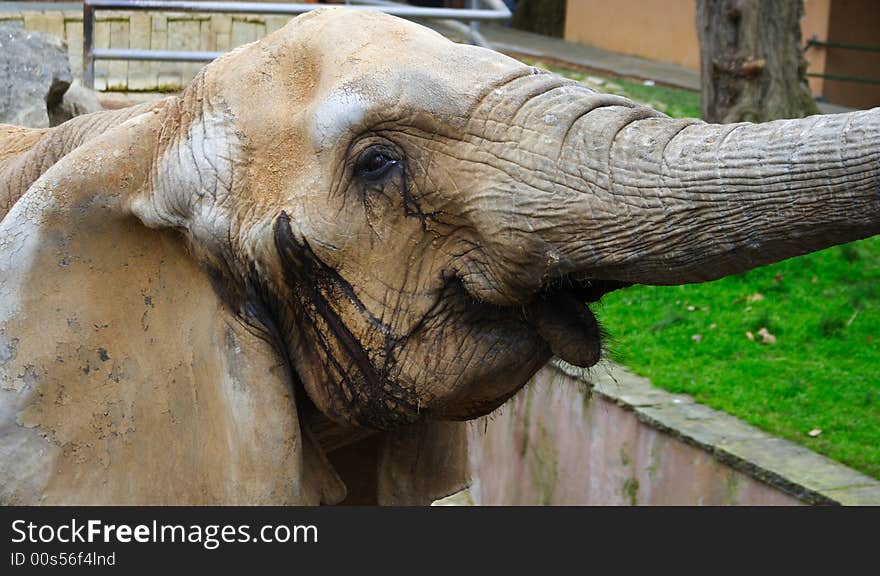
pixel 662 30
pixel 665 30
pixel 817 14
pixel 853 22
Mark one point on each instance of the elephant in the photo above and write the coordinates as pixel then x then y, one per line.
pixel 296 280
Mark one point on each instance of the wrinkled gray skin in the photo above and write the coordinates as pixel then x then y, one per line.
pixel 415 226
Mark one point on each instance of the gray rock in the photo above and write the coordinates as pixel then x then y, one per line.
pixel 77 100
pixel 34 74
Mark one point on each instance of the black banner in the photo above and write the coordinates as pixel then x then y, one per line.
pixel 59 540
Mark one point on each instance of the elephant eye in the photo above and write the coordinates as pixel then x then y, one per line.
pixel 374 163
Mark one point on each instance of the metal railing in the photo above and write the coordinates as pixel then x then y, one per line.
pixel 845 45
pixel 494 10
pixel 815 42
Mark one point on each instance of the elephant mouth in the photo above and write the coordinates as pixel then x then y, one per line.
pixel 369 386
pixel 562 317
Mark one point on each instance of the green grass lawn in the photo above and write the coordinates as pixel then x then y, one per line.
pixel 812 363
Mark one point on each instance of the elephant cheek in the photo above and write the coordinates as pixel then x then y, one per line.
pixel 478 373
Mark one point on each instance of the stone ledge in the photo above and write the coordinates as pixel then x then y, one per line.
pixel 789 467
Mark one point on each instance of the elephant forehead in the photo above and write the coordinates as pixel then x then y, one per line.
pixel 341 66
pixel 405 97
pixel 336 115
pixel 362 41
pixel 374 63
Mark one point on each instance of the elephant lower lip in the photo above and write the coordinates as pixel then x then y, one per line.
pixel 568 326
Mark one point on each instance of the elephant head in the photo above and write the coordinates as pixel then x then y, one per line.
pixel 412 227
pixel 423 222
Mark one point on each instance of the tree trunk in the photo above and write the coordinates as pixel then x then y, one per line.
pixel 540 16
pixel 753 68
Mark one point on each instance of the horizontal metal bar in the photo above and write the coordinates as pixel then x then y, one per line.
pixel 843 78
pixel 40 6
pixel 497 5
pixel 291 9
pixel 154 55
pixel 844 45
pixel 497 11
pixel 470 30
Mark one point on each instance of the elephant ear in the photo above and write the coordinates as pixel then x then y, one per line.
pixel 126 379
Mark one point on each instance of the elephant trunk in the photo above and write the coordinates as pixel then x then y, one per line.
pixel 690 202
pixel 620 192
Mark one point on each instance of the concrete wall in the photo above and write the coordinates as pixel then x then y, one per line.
pixel 557 445
pixel 613 439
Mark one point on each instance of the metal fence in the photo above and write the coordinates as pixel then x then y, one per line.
pixel 490 10
pixel 814 42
